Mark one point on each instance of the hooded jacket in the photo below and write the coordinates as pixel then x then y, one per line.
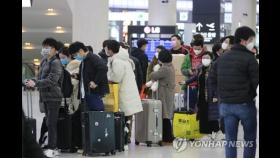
pixel 120 70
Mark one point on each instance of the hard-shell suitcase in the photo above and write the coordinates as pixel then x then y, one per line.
pixel 64 130
pixel 30 120
pixel 185 124
pixel 98 129
pixel 148 123
pixel 119 131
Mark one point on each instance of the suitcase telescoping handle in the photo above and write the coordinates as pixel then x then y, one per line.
pixel 188 98
pixel 155 95
pixel 29 103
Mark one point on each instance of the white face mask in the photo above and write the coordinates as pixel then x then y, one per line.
pixel 224 46
pixel 250 46
pixel 156 55
pixel 45 51
pixel 197 52
pixel 206 62
pixel 173 43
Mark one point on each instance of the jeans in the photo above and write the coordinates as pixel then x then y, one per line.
pixel 52 111
pixel 247 114
pixel 192 98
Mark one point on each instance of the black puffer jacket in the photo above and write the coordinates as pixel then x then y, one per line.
pixel 236 75
pixel 94 70
pixel 138 72
pixel 143 59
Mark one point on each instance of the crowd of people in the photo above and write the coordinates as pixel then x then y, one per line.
pixel 222 83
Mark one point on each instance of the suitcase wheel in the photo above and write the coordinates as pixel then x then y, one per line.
pixel 113 152
pixel 137 143
pixel 160 143
pixel 149 144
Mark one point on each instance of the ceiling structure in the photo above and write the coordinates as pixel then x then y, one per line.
pixel 36 25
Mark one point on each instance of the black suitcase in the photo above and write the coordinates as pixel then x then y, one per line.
pixel 119 131
pixel 77 129
pixel 64 130
pixel 98 129
pixel 30 121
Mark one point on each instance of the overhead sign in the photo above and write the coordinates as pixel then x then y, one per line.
pixel 148 29
pixel 207 20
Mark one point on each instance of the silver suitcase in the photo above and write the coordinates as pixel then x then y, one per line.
pixel 148 123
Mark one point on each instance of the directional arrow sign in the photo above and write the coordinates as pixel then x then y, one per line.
pixel 199 25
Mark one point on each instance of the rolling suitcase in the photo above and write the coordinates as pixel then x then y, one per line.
pixel 185 124
pixel 30 120
pixel 98 130
pixel 119 131
pixel 148 123
pixel 64 130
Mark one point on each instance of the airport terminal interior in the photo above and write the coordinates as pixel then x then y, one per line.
pixel 126 21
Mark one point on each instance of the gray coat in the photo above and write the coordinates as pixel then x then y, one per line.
pixel 50 80
pixel 166 88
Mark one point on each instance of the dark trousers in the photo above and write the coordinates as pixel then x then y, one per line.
pixel 52 110
pixel 167 131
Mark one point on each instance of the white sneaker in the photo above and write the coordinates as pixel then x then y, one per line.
pixel 51 153
pixel 220 136
pixel 80 151
pixel 126 148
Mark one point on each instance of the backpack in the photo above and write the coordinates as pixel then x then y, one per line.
pixel 66 84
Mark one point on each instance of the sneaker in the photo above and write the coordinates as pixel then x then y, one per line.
pixel 220 136
pixel 126 148
pixel 80 151
pixel 51 153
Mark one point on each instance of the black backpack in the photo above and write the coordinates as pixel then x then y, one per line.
pixel 66 84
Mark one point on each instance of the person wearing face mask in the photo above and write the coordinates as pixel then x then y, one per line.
pixel 227 42
pixel 93 83
pixel 190 68
pixel 151 66
pixel 236 83
pixel 49 86
pixel 120 70
pixel 177 48
pixel 72 66
pixel 166 89
pixel 208 111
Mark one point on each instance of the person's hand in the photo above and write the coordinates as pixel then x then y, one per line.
pixel 191 72
pixel 215 100
pixel 30 83
pixel 92 85
pixel 156 67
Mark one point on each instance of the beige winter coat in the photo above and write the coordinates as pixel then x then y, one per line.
pixel 166 88
pixel 120 70
pixel 73 67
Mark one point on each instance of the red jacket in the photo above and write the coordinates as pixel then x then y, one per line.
pixel 196 61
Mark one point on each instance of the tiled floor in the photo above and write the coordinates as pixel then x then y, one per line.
pixel 143 151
